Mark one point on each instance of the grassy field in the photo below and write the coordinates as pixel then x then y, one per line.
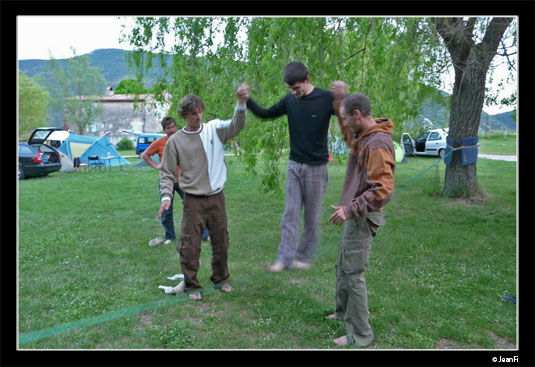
pixel 436 271
pixel 496 143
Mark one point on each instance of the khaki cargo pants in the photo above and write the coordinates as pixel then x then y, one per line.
pixel 353 259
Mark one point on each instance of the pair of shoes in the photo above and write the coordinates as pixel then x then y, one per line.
pixel 277 267
pixel 167 242
pixel 155 242
pixel 300 265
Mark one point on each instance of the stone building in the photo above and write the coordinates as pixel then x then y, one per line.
pixel 139 113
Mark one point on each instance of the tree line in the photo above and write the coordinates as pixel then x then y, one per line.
pixel 396 62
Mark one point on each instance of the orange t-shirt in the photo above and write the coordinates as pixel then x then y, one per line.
pixel 157 147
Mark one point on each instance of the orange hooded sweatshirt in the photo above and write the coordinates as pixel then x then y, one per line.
pixel 369 181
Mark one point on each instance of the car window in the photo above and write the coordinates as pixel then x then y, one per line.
pixel 434 136
pixel 41 134
pixel 25 149
pixel 423 136
pixel 45 149
pixel 406 138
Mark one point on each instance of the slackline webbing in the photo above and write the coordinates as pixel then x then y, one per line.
pixel 109 316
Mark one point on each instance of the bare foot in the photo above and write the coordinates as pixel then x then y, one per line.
pixel 331 317
pixel 195 296
pixel 342 341
pixel 276 268
pixel 301 265
pixel 227 288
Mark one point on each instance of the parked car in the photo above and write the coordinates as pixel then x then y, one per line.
pixel 144 140
pixel 431 142
pixel 37 158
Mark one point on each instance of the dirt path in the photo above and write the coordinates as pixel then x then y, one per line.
pixel 509 158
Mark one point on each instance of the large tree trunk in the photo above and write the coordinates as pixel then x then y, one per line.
pixel 465 114
pixel 471 62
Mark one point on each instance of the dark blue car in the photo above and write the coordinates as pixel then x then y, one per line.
pixel 37 158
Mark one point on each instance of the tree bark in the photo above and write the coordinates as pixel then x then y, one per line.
pixel 471 62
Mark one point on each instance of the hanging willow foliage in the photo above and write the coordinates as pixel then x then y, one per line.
pixel 391 60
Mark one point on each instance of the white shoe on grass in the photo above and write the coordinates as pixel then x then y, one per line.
pixel 174 290
pixel 155 242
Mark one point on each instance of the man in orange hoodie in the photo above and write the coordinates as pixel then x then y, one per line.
pixel 368 186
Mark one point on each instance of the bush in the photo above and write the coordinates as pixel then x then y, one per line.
pixel 125 144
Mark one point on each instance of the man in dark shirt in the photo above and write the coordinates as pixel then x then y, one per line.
pixel 309 110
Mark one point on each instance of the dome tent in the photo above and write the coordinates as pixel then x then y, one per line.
pixel 84 146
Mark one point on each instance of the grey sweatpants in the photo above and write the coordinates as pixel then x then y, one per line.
pixel 305 187
pixel 353 258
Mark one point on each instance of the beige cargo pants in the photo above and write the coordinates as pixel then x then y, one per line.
pixel 353 259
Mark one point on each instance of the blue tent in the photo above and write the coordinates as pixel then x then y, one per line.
pixel 142 162
pixel 83 146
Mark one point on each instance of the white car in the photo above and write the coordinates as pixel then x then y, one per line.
pixel 431 142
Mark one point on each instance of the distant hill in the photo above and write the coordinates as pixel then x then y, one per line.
pixel 115 68
pixel 112 62
pixel 434 115
pixel 502 121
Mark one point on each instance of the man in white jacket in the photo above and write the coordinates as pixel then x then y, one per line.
pixel 199 151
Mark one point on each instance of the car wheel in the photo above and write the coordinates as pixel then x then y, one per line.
pixel 21 173
pixel 441 153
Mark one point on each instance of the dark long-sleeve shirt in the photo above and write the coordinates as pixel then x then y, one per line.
pixel 308 122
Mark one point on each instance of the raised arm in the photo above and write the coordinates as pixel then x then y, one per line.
pixel 340 91
pixel 226 130
pixel 278 109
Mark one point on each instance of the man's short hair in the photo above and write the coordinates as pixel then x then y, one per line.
pixel 188 103
pixel 295 72
pixel 166 121
pixel 357 101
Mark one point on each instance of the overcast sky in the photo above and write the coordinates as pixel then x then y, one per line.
pixel 37 35
pixel 40 36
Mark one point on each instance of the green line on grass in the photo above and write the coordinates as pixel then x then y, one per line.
pixel 105 317
pixel 416 178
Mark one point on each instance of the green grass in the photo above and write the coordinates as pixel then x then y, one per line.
pixel 494 143
pixel 436 271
